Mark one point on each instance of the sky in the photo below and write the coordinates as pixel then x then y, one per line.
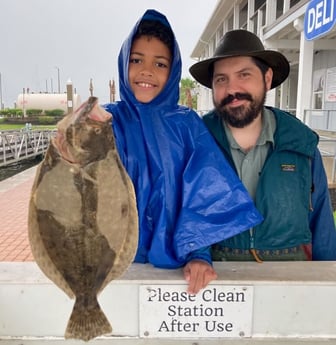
pixel 80 39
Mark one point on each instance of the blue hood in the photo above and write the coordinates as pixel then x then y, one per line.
pixel 188 197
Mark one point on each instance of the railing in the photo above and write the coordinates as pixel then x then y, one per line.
pixel 20 145
pixel 327 147
pixel 320 119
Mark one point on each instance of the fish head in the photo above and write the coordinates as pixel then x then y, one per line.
pixel 85 135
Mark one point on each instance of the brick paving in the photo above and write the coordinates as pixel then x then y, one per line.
pixel 14 199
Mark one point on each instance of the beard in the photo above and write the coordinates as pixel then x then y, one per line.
pixel 239 117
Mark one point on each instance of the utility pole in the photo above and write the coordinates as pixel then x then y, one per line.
pixel 69 96
pixel 91 88
pixel 112 91
pixel 24 102
pixel 58 79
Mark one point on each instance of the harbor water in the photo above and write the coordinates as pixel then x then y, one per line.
pixel 15 168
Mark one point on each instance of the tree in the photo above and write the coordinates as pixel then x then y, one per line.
pixel 188 95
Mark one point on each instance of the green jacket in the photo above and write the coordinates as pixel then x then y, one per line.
pixel 283 193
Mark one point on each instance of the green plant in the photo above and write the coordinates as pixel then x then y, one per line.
pixel 11 112
pixel 46 120
pixel 54 112
pixel 34 111
pixel 188 93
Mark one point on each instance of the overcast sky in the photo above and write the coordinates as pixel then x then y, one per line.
pixel 82 39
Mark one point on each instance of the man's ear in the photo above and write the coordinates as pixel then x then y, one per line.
pixel 268 78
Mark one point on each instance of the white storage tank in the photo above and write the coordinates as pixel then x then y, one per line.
pixel 46 101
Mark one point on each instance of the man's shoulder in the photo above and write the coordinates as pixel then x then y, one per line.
pixel 209 115
pixel 210 119
pixel 280 112
pixel 292 132
pixel 285 118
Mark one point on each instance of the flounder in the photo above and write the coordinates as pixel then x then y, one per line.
pixel 83 223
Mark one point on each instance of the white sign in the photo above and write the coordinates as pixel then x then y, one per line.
pixel 216 311
pixel 330 94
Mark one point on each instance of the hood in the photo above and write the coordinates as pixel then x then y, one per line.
pixel 170 93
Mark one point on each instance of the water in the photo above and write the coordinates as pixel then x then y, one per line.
pixel 15 168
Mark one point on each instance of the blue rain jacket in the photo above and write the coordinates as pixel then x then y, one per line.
pixel 188 196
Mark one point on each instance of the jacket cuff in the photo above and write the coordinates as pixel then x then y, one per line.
pixel 201 254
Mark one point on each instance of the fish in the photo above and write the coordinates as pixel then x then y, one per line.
pixel 82 216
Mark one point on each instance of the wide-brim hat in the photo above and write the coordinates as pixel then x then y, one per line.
pixel 242 43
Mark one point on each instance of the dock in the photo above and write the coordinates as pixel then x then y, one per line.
pixel 16 146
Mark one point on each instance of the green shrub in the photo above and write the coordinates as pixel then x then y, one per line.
pixel 54 112
pixel 11 112
pixel 4 112
pixel 34 111
pixel 46 120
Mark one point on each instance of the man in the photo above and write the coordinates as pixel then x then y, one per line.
pixel 274 154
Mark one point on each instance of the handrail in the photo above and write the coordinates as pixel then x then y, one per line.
pixel 16 146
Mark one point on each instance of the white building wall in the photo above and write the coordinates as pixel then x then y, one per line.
pixel 279 24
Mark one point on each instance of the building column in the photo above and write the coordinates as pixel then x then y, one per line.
pixel 284 87
pixel 271 8
pixel 250 12
pixel 236 11
pixel 271 98
pixel 304 90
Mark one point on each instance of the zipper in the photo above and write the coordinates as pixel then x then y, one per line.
pixel 311 208
pixel 252 249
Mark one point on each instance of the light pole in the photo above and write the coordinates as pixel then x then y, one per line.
pixel 24 102
pixel 58 79
pixel 112 91
pixel 69 95
pixel 91 87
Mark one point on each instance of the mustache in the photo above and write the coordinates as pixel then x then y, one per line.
pixel 234 96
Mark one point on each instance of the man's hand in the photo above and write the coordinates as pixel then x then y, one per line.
pixel 198 274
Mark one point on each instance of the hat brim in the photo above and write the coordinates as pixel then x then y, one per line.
pixel 279 64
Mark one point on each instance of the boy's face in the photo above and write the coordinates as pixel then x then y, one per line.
pixel 149 67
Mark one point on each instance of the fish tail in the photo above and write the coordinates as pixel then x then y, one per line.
pixel 86 323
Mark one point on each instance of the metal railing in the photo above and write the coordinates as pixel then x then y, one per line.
pixel 327 147
pixel 320 119
pixel 20 145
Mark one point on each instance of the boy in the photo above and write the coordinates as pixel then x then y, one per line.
pixel 188 197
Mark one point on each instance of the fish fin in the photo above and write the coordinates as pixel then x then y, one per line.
pixel 87 323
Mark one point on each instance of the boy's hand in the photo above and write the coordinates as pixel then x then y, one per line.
pixel 198 274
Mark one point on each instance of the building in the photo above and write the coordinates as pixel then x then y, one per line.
pixel 305 32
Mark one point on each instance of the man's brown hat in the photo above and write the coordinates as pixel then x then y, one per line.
pixel 242 43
